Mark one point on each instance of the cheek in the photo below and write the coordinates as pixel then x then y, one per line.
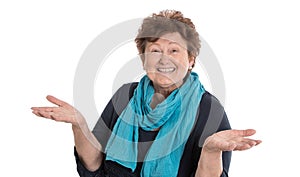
pixel 148 63
pixel 183 64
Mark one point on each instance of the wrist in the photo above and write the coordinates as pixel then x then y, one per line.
pixel 212 154
pixel 79 124
pixel 209 164
pixel 210 146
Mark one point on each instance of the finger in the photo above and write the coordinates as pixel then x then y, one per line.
pixel 61 118
pixel 242 147
pixel 249 132
pixel 46 109
pixel 258 142
pixel 51 115
pixel 44 114
pixel 246 144
pixel 41 113
pixel 230 146
pixel 36 113
pixel 244 133
pixel 56 101
pixel 250 142
pixel 55 117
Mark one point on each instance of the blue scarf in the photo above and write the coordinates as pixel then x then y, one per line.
pixel 175 117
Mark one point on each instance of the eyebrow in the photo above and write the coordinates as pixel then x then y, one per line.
pixel 172 42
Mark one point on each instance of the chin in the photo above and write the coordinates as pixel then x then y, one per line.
pixel 164 83
pixel 164 80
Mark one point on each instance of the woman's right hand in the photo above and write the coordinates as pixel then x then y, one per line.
pixel 87 146
pixel 63 112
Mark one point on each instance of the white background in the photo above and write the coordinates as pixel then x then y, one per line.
pixel 256 43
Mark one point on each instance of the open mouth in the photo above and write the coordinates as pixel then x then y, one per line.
pixel 166 70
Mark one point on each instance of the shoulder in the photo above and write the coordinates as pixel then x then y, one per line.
pixel 209 101
pixel 113 109
pixel 212 117
pixel 126 89
pixel 122 96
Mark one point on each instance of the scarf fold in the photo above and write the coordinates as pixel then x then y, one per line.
pixel 175 117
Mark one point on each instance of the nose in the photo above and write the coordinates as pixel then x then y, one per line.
pixel 164 59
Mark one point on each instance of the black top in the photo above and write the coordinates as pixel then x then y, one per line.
pixel 211 118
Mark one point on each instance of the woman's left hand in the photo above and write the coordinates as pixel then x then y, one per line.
pixel 230 140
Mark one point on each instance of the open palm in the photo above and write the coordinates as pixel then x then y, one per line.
pixel 63 112
pixel 230 140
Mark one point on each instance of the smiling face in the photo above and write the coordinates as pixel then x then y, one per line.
pixel 166 61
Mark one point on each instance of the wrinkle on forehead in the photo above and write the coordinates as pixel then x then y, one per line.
pixel 173 38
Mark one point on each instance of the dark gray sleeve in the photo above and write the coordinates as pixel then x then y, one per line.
pixel 210 119
pixel 104 125
pixel 226 156
pixel 84 172
pixel 109 116
pixel 217 121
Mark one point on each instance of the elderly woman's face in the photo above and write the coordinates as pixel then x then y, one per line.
pixel 166 60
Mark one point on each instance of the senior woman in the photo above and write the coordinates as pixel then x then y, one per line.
pixel 153 127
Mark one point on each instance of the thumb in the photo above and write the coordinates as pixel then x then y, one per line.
pixel 56 101
pixel 247 132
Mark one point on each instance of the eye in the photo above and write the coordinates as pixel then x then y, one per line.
pixel 174 50
pixel 155 51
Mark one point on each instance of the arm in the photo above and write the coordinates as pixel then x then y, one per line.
pixel 210 162
pixel 88 148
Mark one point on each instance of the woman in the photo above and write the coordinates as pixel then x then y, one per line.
pixel 157 124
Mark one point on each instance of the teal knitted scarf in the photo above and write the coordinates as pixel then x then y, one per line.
pixel 175 117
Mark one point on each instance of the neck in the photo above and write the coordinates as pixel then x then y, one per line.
pixel 166 91
pixel 161 93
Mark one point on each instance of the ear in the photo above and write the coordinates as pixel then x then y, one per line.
pixel 191 62
pixel 143 62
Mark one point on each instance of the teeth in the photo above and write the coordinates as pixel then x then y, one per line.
pixel 166 70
